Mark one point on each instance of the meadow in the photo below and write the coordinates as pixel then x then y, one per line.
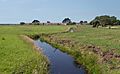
pixel 98 49
pixel 18 56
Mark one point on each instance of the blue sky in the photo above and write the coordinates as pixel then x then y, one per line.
pixel 15 11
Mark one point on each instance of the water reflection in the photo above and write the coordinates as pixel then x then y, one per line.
pixel 61 63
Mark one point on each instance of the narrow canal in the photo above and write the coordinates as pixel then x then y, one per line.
pixel 60 63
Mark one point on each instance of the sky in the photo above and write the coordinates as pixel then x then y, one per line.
pixel 15 11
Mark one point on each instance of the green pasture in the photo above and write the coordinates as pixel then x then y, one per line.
pixel 17 56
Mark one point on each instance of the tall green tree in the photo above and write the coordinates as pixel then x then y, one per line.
pixel 105 20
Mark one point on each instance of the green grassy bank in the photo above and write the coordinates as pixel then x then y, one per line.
pixel 17 56
pixel 98 49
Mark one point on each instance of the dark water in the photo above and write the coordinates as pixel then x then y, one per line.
pixel 61 63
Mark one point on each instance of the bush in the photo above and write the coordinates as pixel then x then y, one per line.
pixel 22 23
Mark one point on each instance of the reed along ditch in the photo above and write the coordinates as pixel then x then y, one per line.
pixel 60 63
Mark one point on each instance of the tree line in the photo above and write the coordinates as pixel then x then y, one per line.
pixel 66 21
pixel 104 20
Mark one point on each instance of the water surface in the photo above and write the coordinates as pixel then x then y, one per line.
pixel 60 63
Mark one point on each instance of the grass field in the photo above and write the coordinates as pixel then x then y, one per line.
pixel 95 48
pixel 17 56
pixel 105 38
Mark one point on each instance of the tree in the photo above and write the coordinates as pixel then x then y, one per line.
pixel 85 22
pixel 81 22
pixel 66 21
pixel 96 23
pixel 22 23
pixel 105 20
pixel 48 21
pixel 113 20
pixel 36 22
pixel 117 22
